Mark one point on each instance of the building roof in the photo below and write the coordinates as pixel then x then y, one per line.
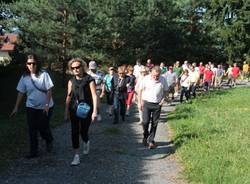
pixel 8 41
pixel 7 47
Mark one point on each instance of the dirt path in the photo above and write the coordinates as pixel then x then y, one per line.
pixel 116 156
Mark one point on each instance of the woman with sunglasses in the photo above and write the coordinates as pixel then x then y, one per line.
pixel 81 88
pixel 37 85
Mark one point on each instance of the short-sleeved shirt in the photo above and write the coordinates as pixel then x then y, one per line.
pixel 235 71
pixel 35 98
pixel 194 76
pixel 153 91
pixel 178 70
pixel 170 77
pixel 131 83
pixel 84 84
pixel 107 82
pixel 208 75
pixel 245 67
pixel 164 70
pixel 219 72
pixel 98 77
pixel 202 69
pixel 137 69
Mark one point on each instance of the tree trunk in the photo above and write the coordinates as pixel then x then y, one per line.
pixel 64 47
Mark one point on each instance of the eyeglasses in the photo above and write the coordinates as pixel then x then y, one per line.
pixel 121 73
pixel 76 67
pixel 31 63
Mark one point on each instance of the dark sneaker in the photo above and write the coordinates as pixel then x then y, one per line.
pixel 151 145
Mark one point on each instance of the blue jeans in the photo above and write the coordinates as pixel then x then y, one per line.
pixel 184 90
pixel 119 108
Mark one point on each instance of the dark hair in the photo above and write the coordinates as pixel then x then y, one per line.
pixel 38 66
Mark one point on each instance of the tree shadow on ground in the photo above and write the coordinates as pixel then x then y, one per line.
pixel 117 155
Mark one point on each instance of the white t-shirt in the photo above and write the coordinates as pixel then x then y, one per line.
pixel 98 76
pixel 137 69
pixel 36 99
pixel 153 91
pixel 185 81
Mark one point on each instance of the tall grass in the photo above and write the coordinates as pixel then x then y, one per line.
pixel 212 136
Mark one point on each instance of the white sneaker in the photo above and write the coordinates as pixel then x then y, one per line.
pixel 99 117
pixel 76 160
pixel 85 148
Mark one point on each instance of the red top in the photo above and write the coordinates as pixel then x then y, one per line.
pixel 236 71
pixel 208 75
pixel 201 69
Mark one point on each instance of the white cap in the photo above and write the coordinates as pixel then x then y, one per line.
pixel 92 65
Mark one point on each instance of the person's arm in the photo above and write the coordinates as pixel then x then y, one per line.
pixel 163 98
pixel 67 101
pixel 94 98
pixel 18 101
pixel 48 98
pixel 103 88
pixel 140 102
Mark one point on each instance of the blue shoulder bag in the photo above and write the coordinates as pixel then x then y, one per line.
pixel 82 108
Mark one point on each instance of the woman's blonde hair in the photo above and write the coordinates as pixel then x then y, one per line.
pixel 122 69
pixel 130 68
pixel 79 60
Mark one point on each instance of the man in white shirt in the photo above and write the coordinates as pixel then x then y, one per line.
pixel 137 68
pixel 151 95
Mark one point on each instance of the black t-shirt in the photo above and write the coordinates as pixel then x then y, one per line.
pixel 81 91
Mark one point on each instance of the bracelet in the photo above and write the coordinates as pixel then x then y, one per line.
pixel 46 105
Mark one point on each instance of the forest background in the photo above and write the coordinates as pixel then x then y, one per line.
pixel 115 32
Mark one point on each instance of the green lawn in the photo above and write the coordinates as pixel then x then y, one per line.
pixel 212 136
pixel 13 131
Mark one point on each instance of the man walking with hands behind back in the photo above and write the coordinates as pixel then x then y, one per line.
pixel 150 99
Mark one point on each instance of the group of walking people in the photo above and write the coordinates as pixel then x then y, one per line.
pixel 188 77
pixel 148 86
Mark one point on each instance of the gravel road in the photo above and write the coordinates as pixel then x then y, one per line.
pixel 116 156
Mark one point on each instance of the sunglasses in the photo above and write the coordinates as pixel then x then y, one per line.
pixel 31 63
pixel 76 67
pixel 121 73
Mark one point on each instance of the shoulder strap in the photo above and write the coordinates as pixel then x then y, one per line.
pixel 34 84
pixel 185 78
pixel 78 89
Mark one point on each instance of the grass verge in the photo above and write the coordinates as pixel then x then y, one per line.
pixel 212 137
